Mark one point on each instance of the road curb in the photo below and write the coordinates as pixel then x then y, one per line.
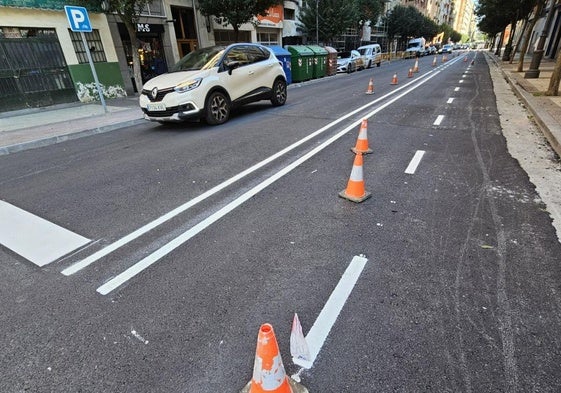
pixel 42 142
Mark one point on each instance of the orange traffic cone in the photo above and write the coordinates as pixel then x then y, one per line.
pixel 416 66
pixel 434 62
pixel 444 58
pixel 410 73
pixel 394 79
pixel 355 191
pixel 472 62
pixel 370 89
pixel 465 59
pixel 268 370
pixel 362 140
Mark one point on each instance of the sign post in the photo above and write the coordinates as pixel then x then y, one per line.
pixel 80 22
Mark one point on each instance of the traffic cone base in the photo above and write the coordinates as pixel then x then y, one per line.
pixel 361 145
pixel 295 387
pixel 370 89
pixel 343 194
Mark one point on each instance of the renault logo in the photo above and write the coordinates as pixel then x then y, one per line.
pixel 154 93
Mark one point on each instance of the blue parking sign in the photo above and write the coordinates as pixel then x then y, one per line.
pixel 78 18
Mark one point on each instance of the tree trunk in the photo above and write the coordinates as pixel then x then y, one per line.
pixel 508 48
pixel 537 12
pixel 135 57
pixel 553 89
pixel 501 39
pixel 515 48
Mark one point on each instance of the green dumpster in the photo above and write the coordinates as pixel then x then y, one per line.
pixel 302 59
pixel 320 61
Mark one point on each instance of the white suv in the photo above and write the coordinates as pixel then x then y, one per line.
pixel 209 82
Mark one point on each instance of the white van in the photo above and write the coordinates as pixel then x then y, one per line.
pixel 372 54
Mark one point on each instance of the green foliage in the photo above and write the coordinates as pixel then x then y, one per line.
pixel 496 15
pixel 235 12
pixel 334 17
pixel 407 22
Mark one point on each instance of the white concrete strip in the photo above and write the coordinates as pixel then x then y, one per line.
pixel 438 120
pixel 35 238
pixel 457 89
pixel 412 167
pixel 180 209
pixel 148 261
pixel 450 100
pixel 326 319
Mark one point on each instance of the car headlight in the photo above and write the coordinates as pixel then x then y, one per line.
pixel 188 85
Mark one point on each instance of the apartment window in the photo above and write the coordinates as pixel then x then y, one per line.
pixel 289 14
pixel 93 40
pixel 226 37
pixel 268 38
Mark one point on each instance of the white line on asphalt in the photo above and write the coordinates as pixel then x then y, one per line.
pixel 143 264
pixel 438 120
pixel 450 100
pixel 180 209
pixel 463 76
pixel 412 167
pixel 34 238
pixel 326 319
pixel 461 81
pixel 457 89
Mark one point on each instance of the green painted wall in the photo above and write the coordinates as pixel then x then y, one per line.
pixel 109 76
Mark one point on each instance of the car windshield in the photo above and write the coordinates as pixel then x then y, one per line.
pixel 344 55
pixel 201 59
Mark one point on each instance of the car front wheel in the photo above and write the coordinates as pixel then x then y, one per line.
pixel 217 108
pixel 279 93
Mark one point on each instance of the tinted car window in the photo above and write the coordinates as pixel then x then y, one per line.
pixel 257 54
pixel 199 59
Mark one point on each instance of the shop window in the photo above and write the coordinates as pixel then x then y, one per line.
pixel 268 38
pixel 226 37
pixel 93 40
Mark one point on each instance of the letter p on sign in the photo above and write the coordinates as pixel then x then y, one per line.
pixel 78 18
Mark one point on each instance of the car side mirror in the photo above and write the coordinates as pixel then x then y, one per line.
pixel 232 65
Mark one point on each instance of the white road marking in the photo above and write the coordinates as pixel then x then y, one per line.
pixel 412 167
pixel 143 264
pixel 463 76
pixel 34 238
pixel 438 120
pixel 180 209
pixel 326 319
pixel 450 100
pixel 461 81
pixel 457 89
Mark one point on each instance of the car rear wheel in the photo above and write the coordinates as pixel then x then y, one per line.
pixel 217 108
pixel 279 93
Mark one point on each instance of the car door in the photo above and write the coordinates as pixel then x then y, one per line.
pixel 245 77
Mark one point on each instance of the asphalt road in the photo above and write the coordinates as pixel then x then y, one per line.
pixel 460 292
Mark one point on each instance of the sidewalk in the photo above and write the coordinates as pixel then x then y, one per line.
pixel 546 110
pixel 30 128
pixel 35 127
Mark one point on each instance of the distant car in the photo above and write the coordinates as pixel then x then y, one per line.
pixel 446 48
pixel 430 50
pixel 209 82
pixel 350 61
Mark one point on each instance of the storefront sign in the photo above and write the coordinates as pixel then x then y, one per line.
pixel 274 17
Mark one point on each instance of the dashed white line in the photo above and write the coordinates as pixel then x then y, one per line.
pixel 326 319
pixel 461 81
pixel 438 120
pixel 450 100
pixel 457 89
pixel 412 167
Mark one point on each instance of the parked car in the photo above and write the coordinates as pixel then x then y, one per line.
pixel 209 82
pixel 349 61
pixel 372 54
pixel 430 50
pixel 447 48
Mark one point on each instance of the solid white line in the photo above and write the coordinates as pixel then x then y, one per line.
pixel 143 264
pixel 180 209
pixel 326 319
pixel 34 238
pixel 438 120
pixel 412 167
pixel 450 100
pixel 457 89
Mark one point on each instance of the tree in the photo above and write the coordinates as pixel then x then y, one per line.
pixel 129 12
pixel 330 20
pixel 236 12
pixel 537 13
pixel 405 22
